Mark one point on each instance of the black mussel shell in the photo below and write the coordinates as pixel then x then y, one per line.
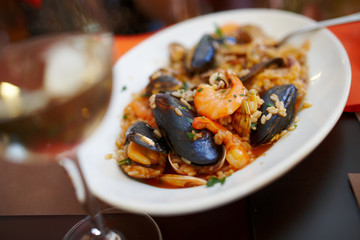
pixel 177 132
pixel 276 124
pixel 204 54
pixel 143 134
pixel 162 84
pixel 262 66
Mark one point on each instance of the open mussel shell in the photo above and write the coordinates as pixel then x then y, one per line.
pixel 204 54
pixel 257 68
pixel 276 124
pixel 163 83
pixel 143 134
pixel 177 130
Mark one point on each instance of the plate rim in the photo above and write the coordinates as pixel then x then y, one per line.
pixel 260 181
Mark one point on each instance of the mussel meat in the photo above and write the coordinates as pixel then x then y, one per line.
pixel 146 152
pixel 276 124
pixel 175 122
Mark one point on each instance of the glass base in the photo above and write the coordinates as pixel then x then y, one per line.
pixel 129 226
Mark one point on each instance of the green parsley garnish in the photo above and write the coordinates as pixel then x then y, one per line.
pixel 218 77
pixel 146 95
pixel 213 180
pixel 253 125
pixel 125 116
pixel 190 135
pixel 269 104
pixel 223 90
pixel 200 89
pixel 126 161
pixel 123 88
pixel 186 86
pixel 235 96
pixel 189 120
pixel 229 100
pixel 218 31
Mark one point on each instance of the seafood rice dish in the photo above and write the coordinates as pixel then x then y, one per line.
pixel 215 108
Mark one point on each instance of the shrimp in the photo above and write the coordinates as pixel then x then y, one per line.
pixel 236 154
pixel 218 103
pixel 140 107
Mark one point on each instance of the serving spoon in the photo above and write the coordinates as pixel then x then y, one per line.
pixel 321 24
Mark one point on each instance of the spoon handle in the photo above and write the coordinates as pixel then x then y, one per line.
pixel 321 24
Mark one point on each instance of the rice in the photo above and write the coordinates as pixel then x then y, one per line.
pixel 152 101
pixel 236 58
pixel 186 95
pixel 178 112
pixel 158 133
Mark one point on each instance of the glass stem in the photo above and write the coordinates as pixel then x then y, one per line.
pixel 84 196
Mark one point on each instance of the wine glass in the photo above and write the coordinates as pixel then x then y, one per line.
pixel 55 87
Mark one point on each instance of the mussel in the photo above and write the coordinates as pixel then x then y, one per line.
pixel 276 124
pixel 175 122
pixel 204 54
pixel 146 152
pixel 143 134
pixel 163 83
pixel 261 66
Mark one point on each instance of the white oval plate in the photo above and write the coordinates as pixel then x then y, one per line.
pixel 330 77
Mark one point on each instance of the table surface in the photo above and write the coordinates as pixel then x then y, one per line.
pixel 312 201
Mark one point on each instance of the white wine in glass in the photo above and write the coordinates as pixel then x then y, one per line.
pixel 54 91
pixel 55 87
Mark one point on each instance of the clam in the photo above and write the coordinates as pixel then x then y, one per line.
pixel 175 122
pixel 287 94
pixel 181 167
pixel 182 181
pixel 241 120
pixel 177 52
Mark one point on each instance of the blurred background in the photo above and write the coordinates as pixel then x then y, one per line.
pixel 139 16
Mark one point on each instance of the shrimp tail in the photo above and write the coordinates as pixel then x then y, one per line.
pixel 236 154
